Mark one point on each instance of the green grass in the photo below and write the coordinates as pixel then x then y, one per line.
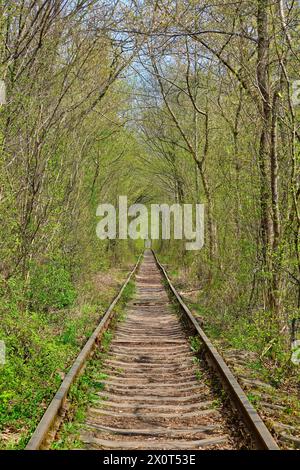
pixel 40 349
pixel 195 343
pixel 254 398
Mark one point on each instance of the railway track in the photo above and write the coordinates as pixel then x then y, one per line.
pixel 157 393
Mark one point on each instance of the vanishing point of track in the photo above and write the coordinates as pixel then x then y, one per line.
pixel 157 394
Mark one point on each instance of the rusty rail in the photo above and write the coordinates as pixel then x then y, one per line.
pixel 261 435
pixel 56 406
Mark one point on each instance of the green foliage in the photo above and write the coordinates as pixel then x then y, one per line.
pixel 40 347
pixel 243 331
pixel 50 286
pixel 128 292
pixel 195 343
pixel 106 339
pixel 31 372
pixel 254 398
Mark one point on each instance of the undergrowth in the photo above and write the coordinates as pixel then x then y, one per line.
pixel 230 322
pixel 42 344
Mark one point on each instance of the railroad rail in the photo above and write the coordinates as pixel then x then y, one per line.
pixel 157 393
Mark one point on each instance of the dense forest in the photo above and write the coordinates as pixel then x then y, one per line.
pixel 166 102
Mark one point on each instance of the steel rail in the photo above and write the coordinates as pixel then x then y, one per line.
pixel 56 406
pixel 259 432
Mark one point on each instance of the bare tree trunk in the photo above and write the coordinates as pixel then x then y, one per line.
pixel 237 162
pixel 276 260
pixel 263 85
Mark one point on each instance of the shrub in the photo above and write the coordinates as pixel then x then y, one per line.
pixel 50 287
